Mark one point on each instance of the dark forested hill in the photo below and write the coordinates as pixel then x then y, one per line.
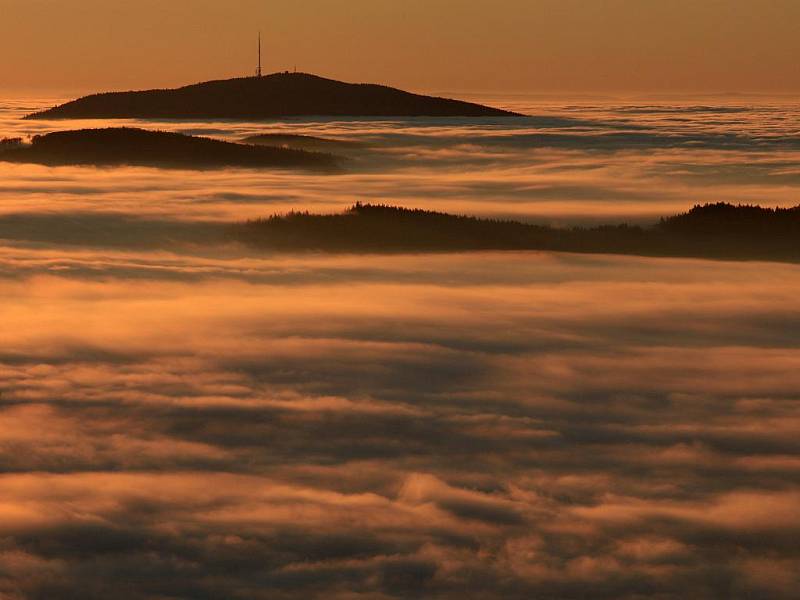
pixel 273 96
pixel 129 146
pixel 711 231
pixel 719 231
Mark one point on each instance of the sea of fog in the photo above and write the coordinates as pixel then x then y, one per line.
pixel 200 423
pixel 566 163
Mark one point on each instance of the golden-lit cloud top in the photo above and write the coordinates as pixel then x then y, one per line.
pixel 522 424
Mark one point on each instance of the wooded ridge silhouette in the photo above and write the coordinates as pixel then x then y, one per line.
pixel 717 231
pixel 272 96
pixel 711 231
pixel 131 146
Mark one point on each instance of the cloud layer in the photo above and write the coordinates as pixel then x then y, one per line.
pixel 606 162
pixel 188 423
pixel 518 425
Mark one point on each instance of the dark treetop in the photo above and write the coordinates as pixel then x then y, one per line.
pixel 128 146
pixel 273 96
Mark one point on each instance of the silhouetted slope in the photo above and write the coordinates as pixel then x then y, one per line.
pixel 278 95
pixel 128 146
pixel 718 231
pixel 745 221
pixel 711 231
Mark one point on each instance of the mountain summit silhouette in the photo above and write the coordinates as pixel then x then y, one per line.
pixel 273 96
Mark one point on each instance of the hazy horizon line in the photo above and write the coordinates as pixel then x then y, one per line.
pixel 526 94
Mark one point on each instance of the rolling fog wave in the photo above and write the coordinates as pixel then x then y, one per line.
pixel 522 424
pixel 563 164
pixel 196 423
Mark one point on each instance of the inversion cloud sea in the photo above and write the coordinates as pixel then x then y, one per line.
pixel 211 422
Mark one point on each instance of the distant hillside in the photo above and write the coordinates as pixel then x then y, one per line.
pixel 718 231
pixel 129 146
pixel 712 231
pixel 273 96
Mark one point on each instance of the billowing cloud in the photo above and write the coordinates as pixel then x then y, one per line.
pixel 384 426
pixel 181 421
pixel 602 162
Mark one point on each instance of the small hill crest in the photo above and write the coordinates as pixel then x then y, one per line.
pixel 279 95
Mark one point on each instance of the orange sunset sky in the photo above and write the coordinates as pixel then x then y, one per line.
pixel 577 46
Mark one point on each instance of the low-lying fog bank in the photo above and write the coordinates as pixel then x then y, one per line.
pixel 200 419
pixel 518 425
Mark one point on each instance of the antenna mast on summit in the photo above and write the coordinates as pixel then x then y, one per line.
pixel 258 72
